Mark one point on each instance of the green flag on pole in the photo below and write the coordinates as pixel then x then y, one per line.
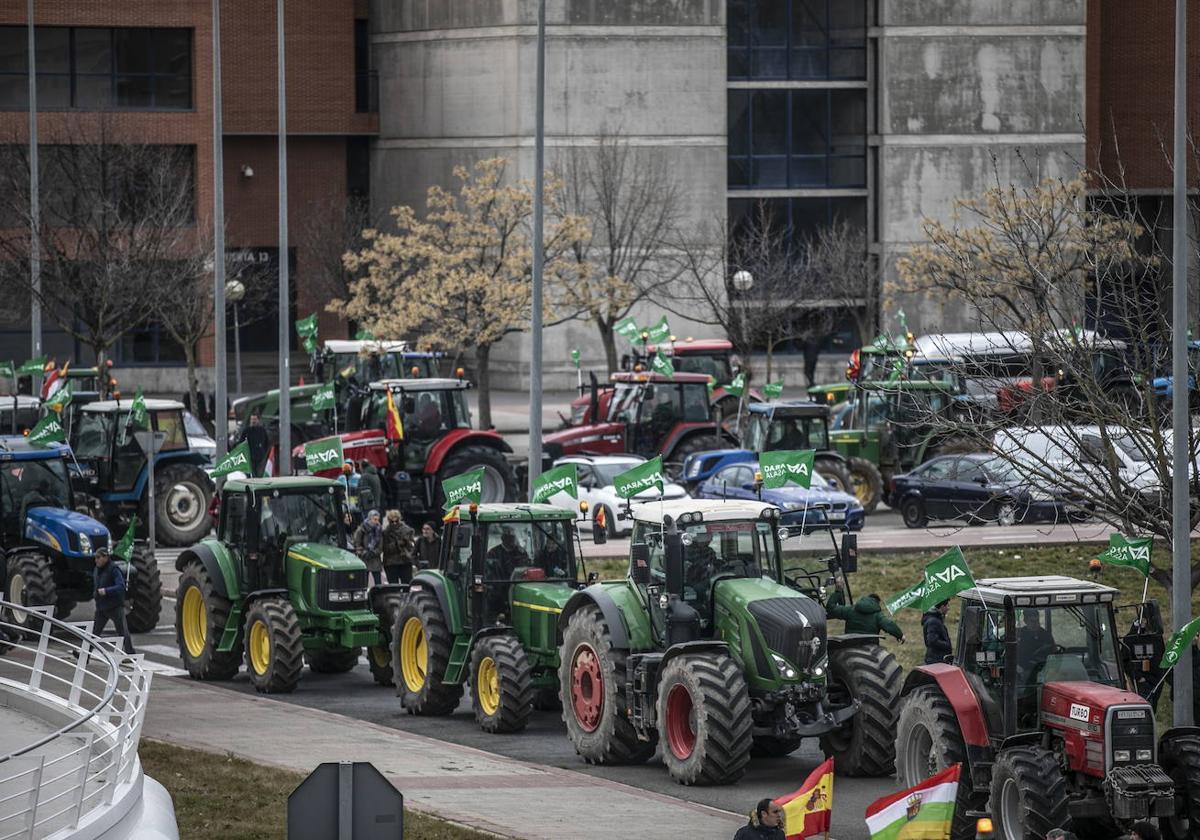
pixel 773 390
pixel 1178 642
pixel 323 398
pixel 137 417
pixel 60 399
pixel 945 577
pixel 463 489
pixel 307 326
pixel 642 477
pixel 323 454
pixel 8 370
pixel 236 460
pixel 627 328
pixel 787 465
pixel 562 479
pixel 737 386
pixel 124 549
pixel 33 367
pixel 47 431
pixel 1123 551
pixel 364 334
pixel 661 365
pixel 908 598
pixel 658 332
pixel 575 358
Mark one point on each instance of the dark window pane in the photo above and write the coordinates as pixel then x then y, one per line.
pixel 848 172
pixel 849 117
pixel 738 64
pixel 810 122
pixel 93 51
pixel 739 172
pixel 770 63
pixel 738 22
pixel 93 93
pixel 133 48
pixel 808 216
pixel 848 64
pixel 808 171
pixel 770 171
pixel 853 210
pixel 847 21
pixel 54 90
pixel 173 51
pixel 809 22
pixel 739 122
pixel 13 56
pixel 53 49
pixel 809 63
pixel 770 23
pixel 133 91
pixel 770 123
pixel 172 92
pixel 14 92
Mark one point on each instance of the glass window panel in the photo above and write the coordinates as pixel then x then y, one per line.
pixel 13 57
pixel 173 51
pixel 810 122
pixel 809 22
pixel 93 51
pixel 172 92
pixel 53 49
pixel 54 90
pixel 847 21
pixel 770 63
pixel 809 215
pixel 849 117
pixel 770 23
pixel 739 122
pixel 848 64
pixel 853 210
pixel 770 171
pixel 770 123
pixel 738 22
pixel 808 171
pixel 14 92
pixel 847 172
pixel 93 93
pixel 739 172
pixel 133 91
pixel 133 49
pixel 738 63
pixel 810 63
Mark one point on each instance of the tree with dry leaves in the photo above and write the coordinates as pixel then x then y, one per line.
pixel 854 279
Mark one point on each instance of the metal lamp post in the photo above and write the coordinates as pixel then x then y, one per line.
pixel 535 361
pixel 743 282
pixel 235 292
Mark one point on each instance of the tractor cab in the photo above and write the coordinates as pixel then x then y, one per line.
pixel 706 356
pixel 18 413
pixel 372 361
pixel 428 409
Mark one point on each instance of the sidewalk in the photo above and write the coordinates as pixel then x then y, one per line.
pixel 488 792
pixel 510 409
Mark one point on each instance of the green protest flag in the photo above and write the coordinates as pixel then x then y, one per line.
pixel 661 365
pixel 787 465
pixel 642 477
pixel 897 371
pixel 364 334
pixel 323 398
pixel 711 385
pixel 907 598
pixel 8 370
pixel 627 328
pixel 575 358
pixel 307 326
pixel 60 399
pixel 309 342
pixel 562 479
pixel 33 367
pixel 659 332
pixel 236 460
pixel 737 386
pixel 48 430
pixel 124 549
pixel 463 489
pixel 1134 553
pixel 773 390
pixel 945 577
pixel 1178 642
pixel 324 454
pixel 137 411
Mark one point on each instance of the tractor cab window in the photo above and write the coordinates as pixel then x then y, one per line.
pixel 523 551
pixel 715 366
pixel 1066 643
pixel 128 459
pixel 172 425
pixel 287 518
pixel 233 518
pixel 622 407
pixel 90 435
pixel 26 417
pixel 794 432
pixel 28 484
pixel 981 651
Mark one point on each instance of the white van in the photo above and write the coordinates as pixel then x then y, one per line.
pixel 1078 452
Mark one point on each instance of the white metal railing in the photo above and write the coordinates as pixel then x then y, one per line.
pixel 60 672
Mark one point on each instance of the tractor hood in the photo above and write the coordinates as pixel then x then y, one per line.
pixel 1084 704
pixel 54 527
pixel 541 597
pixel 324 557
pixel 792 625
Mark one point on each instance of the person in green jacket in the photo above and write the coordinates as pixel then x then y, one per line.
pixel 866 616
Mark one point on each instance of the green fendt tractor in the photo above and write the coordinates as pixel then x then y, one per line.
pixel 276 585
pixel 487 616
pixel 707 649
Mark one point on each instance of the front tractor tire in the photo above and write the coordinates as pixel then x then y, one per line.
pixel 29 582
pixel 200 618
pixel 145 593
pixel 866 744
pixel 704 721
pixel 379 656
pixel 501 684
pixel 1179 756
pixel 274 650
pixel 334 661
pixel 834 471
pixel 866 483
pixel 499 480
pixel 591 676
pixel 422 652
pixel 182 493
pixel 1029 793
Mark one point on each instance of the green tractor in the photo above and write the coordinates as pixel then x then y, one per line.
pixel 487 616
pixel 277 586
pixel 707 649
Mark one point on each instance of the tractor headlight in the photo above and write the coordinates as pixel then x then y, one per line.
pixel 345 596
pixel 785 669
pixel 85 544
pixel 360 594
pixel 1145 755
pixel 1121 755
pixel 820 668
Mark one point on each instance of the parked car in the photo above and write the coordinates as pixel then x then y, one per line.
pixel 199 440
pixel 596 474
pixel 807 510
pixel 977 488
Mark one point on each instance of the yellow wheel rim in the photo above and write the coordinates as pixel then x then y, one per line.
pixel 195 622
pixel 258 645
pixel 414 655
pixel 381 656
pixel 487 686
pixel 861 487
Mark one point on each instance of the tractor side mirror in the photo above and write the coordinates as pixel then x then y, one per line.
pixel 673 548
pixel 599 535
pixel 639 564
pixel 462 536
pixel 849 560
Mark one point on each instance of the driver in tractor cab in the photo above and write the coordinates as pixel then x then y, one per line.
pixel 552 558
pixel 505 556
pixel 792 434
pixel 429 416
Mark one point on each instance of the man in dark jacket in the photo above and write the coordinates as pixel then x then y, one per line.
pixel 937 639
pixel 255 434
pixel 428 547
pixel 370 488
pixel 866 616
pixel 765 823
pixel 110 597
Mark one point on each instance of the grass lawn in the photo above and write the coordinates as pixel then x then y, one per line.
pixel 226 797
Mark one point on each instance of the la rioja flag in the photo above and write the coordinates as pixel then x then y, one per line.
pixel 808 811
pixel 923 812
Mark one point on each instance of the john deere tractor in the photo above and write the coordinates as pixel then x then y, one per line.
pixel 486 617
pixel 277 587
pixel 50 549
pixel 706 650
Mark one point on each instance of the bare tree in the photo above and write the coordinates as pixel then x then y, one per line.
pixel 332 228
pixel 838 252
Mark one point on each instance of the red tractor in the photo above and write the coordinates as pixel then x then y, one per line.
pixel 1039 708
pixel 646 414
pixel 437 442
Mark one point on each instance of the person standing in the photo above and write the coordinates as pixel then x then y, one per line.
pixel 398 549
pixel 866 616
pixel 110 598
pixel 429 546
pixel 370 488
pixel 937 638
pixel 259 441
pixel 765 823
pixel 368 545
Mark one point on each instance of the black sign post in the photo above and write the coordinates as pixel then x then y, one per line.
pixel 346 801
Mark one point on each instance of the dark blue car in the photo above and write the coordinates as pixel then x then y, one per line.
pixel 813 509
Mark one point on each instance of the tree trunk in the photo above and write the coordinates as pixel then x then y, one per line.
pixel 483 380
pixel 189 355
pixel 609 339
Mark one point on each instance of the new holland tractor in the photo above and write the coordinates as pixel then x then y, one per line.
pixel 50 549
pixel 487 616
pixel 706 650
pixel 1038 706
pixel 114 474
pixel 276 587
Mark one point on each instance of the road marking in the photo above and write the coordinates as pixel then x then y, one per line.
pixel 165 670
pixel 162 650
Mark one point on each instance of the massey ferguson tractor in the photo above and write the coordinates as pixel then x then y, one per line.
pixel 1038 706
pixel 706 650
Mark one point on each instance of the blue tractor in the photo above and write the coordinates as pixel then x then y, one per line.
pixel 49 548
pixel 113 473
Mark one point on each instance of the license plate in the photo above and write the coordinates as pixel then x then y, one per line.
pixel 837 516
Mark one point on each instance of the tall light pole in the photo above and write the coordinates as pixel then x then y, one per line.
pixel 539 156
pixel 220 398
pixel 1181 549
pixel 235 290
pixel 35 209
pixel 743 282
pixel 283 457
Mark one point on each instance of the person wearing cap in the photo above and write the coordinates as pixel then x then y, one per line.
pixel 110 597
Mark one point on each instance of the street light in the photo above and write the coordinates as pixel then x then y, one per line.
pixel 743 282
pixel 235 292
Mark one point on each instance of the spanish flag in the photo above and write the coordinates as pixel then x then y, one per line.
pixel 808 811
pixel 395 426
pixel 601 519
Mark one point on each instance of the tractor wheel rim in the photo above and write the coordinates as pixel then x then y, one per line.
pixel 185 504
pixel 381 656
pixel 487 685
pixel 919 759
pixel 493 483
pixel 414 655
pixel 681 722
pixel 587 688
pixel 1010 811
pixel 18 595
pixel 195 622
pixel 862 487
pixel 259 646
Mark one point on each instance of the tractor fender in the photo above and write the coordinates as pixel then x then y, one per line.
pixel 1174 731
pixel 954 686
pixel 379 592
pixel 438 587
pixel 259 594
pixel 683 431
pixel 852 640
pixel 685 649
pixel 220 569
pixel 461 437
pixel 596 594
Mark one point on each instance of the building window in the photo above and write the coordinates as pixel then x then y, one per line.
pixel 801 218
pixel 366 81
pixel 797 39
pixel 98 69
pixel 781 139
pixel 148 345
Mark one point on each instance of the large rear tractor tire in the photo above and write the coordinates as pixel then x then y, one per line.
pixel 866 483
pixel 182 493
pixel 29 582
pixel 200 618
pixel 501 684
pixel 499 480
pixel 928 740
pixel 591 674
pixel 1179 756
pixel 673 464
pixel 379 656
pixel 1029 794
pixel 421 653
pixel 866 744
pixel 144 584
pixel 334 661
pixel 834 471
pixel 704 721
pixel 274 650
